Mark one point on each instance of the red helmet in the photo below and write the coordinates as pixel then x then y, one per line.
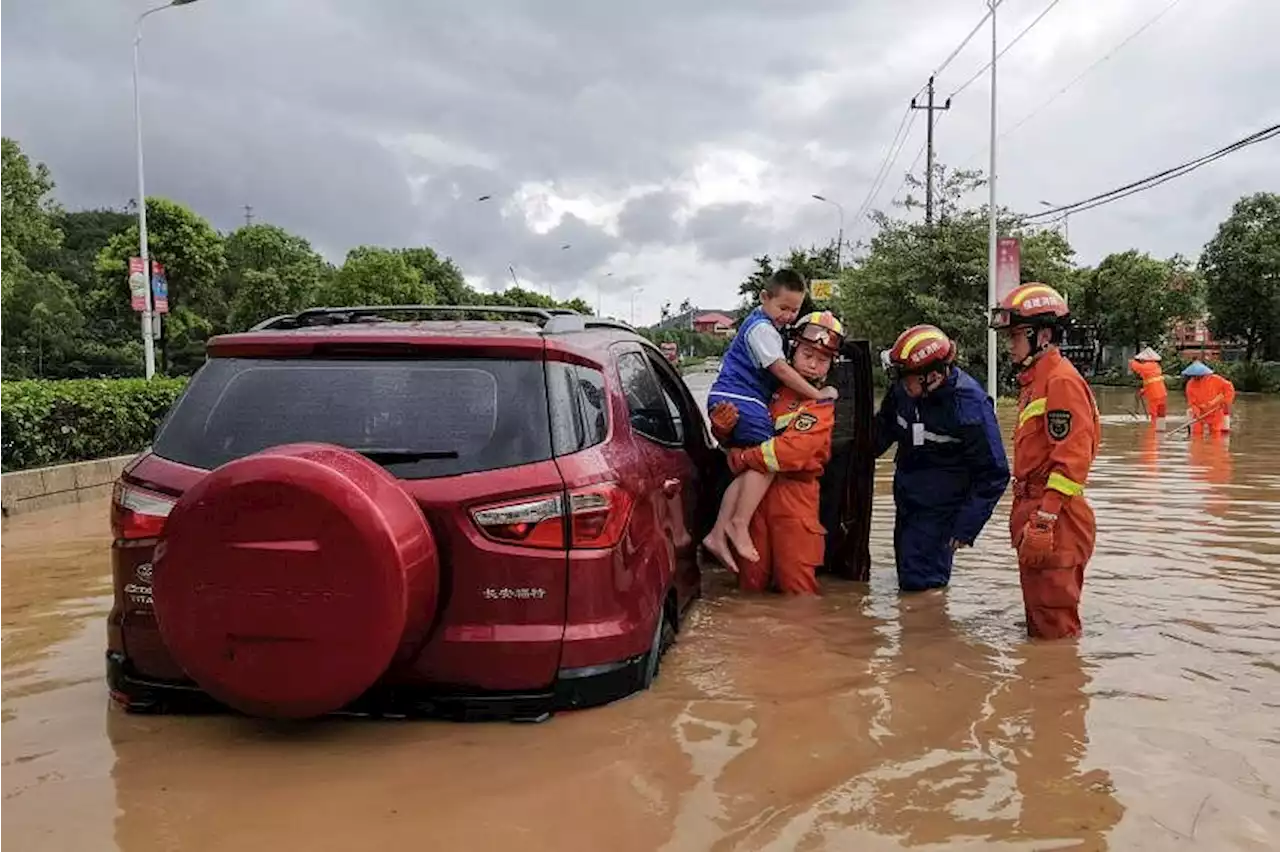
pixel 1032 304
pixel 920 349
pixel 820 329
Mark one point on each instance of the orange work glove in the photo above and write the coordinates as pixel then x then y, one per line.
pixel 724 416
pixel 736 465
pixel 1035 548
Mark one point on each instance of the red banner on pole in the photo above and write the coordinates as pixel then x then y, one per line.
pixel 1008 266
pixel 137 284
pixel 159 289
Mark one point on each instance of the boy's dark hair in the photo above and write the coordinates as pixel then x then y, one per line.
pixel 785 279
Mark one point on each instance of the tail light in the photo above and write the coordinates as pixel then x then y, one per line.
pixel 597 517
pixel 137 513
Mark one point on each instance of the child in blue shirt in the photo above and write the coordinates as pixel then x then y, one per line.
pixel 752 368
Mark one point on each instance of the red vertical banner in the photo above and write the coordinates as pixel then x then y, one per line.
pixel 137 285
pixel 1008 266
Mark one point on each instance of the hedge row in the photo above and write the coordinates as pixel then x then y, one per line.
pixel 53 422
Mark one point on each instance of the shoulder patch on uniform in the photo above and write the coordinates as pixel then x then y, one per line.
pixel 1058 423
pixel 805 422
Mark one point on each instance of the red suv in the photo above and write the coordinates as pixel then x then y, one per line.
pixel 426 510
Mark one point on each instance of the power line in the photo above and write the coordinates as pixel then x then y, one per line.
pixel 1158 178
pixel 967 39
pixel 895 150
pixel 976 74
pixel 1139 31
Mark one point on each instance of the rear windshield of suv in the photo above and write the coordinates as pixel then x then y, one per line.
pixel 418 418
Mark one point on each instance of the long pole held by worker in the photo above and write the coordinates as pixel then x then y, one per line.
pixel 992 372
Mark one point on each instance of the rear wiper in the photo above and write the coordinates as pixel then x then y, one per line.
pixel 395 454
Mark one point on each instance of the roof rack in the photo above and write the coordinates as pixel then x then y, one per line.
pixel 550 320
pixel 381 313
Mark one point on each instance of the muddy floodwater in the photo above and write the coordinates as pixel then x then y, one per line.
pixel 864 720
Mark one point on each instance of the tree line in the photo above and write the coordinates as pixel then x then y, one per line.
pixel 66 303
pixel 911 273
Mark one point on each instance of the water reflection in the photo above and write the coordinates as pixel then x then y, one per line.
pixel 862 720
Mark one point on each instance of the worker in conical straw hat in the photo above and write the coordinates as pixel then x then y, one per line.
pixel 1153 395
pixel 1209 399
pixel 1054 445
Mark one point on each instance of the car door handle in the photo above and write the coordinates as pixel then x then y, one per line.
pixel 671 487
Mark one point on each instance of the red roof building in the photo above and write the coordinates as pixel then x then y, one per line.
pixel 713 323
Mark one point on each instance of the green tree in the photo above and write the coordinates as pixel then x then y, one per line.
pixel 194 261
pixel 269 272
pixel 1134 299
pixel 377 276
pixel 27 213
pixel 42 326
pixel 813 262
pixel 914 273
pixel 443 275
pixel 1241 267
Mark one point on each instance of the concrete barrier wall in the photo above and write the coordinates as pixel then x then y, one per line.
pixel 46 487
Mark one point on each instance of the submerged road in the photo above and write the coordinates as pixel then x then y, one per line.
pixel 864 720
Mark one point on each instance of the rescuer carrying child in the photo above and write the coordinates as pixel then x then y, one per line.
pixel 785 527
pixel 753 368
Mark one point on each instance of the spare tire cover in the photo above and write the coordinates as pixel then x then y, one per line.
pixel 288 581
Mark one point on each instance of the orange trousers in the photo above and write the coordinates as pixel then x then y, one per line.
pixel 791 542
pixel 1051 593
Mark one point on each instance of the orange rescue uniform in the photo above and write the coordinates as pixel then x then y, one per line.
pixel 1153 389
pixel 1054 445
pixel 785 529
pixel 1211 393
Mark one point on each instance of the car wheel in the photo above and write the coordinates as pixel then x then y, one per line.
pixel 664 634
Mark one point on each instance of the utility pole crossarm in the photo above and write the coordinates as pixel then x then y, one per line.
pixel 928 178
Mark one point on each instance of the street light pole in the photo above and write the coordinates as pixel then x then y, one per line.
pixel 840 236
pixel 148 344
pixel 992 372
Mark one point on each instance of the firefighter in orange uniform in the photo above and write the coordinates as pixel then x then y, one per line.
pixel 1153 393
pixel 1209 399
pixel 785 528
pixel 1054 445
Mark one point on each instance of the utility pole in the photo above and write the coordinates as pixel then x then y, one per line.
pixel 928 176
pixel 248 215
pixel 993 374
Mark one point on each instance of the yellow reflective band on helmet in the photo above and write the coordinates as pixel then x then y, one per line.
pixel 917 339
pixel 1035 408
pixel 1069 487
pixel 769 454
pixel 815 318
pixel 1042 290
pixel 784 421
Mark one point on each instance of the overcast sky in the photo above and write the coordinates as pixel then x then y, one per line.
pixel 666 142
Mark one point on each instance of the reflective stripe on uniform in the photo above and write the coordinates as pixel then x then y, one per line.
pixel 770 455
pixel 1035 408
pixel 1069 487
pixel 1151 380
pixel 784 421
pixel 940 439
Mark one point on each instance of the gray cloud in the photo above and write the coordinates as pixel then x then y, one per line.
pixel 382 123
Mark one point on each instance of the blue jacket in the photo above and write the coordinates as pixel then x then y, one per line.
pixel 740 377
pixel 957 471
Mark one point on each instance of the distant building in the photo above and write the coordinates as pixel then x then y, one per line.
pixel 687 320
pixel 1195 340
pixel 714 323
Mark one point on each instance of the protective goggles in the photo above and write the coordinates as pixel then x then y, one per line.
pixel 822 337
pixel 896 371
pixel 1001 319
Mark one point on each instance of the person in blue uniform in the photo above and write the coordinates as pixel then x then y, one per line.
pixel 951 467
pixel 751 371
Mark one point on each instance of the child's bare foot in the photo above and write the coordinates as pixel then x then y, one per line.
pixel 740 538
pixel 718 546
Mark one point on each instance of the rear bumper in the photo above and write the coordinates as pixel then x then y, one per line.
pixel 574 689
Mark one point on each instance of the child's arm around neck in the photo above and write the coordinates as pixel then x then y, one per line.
pixel 787 374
